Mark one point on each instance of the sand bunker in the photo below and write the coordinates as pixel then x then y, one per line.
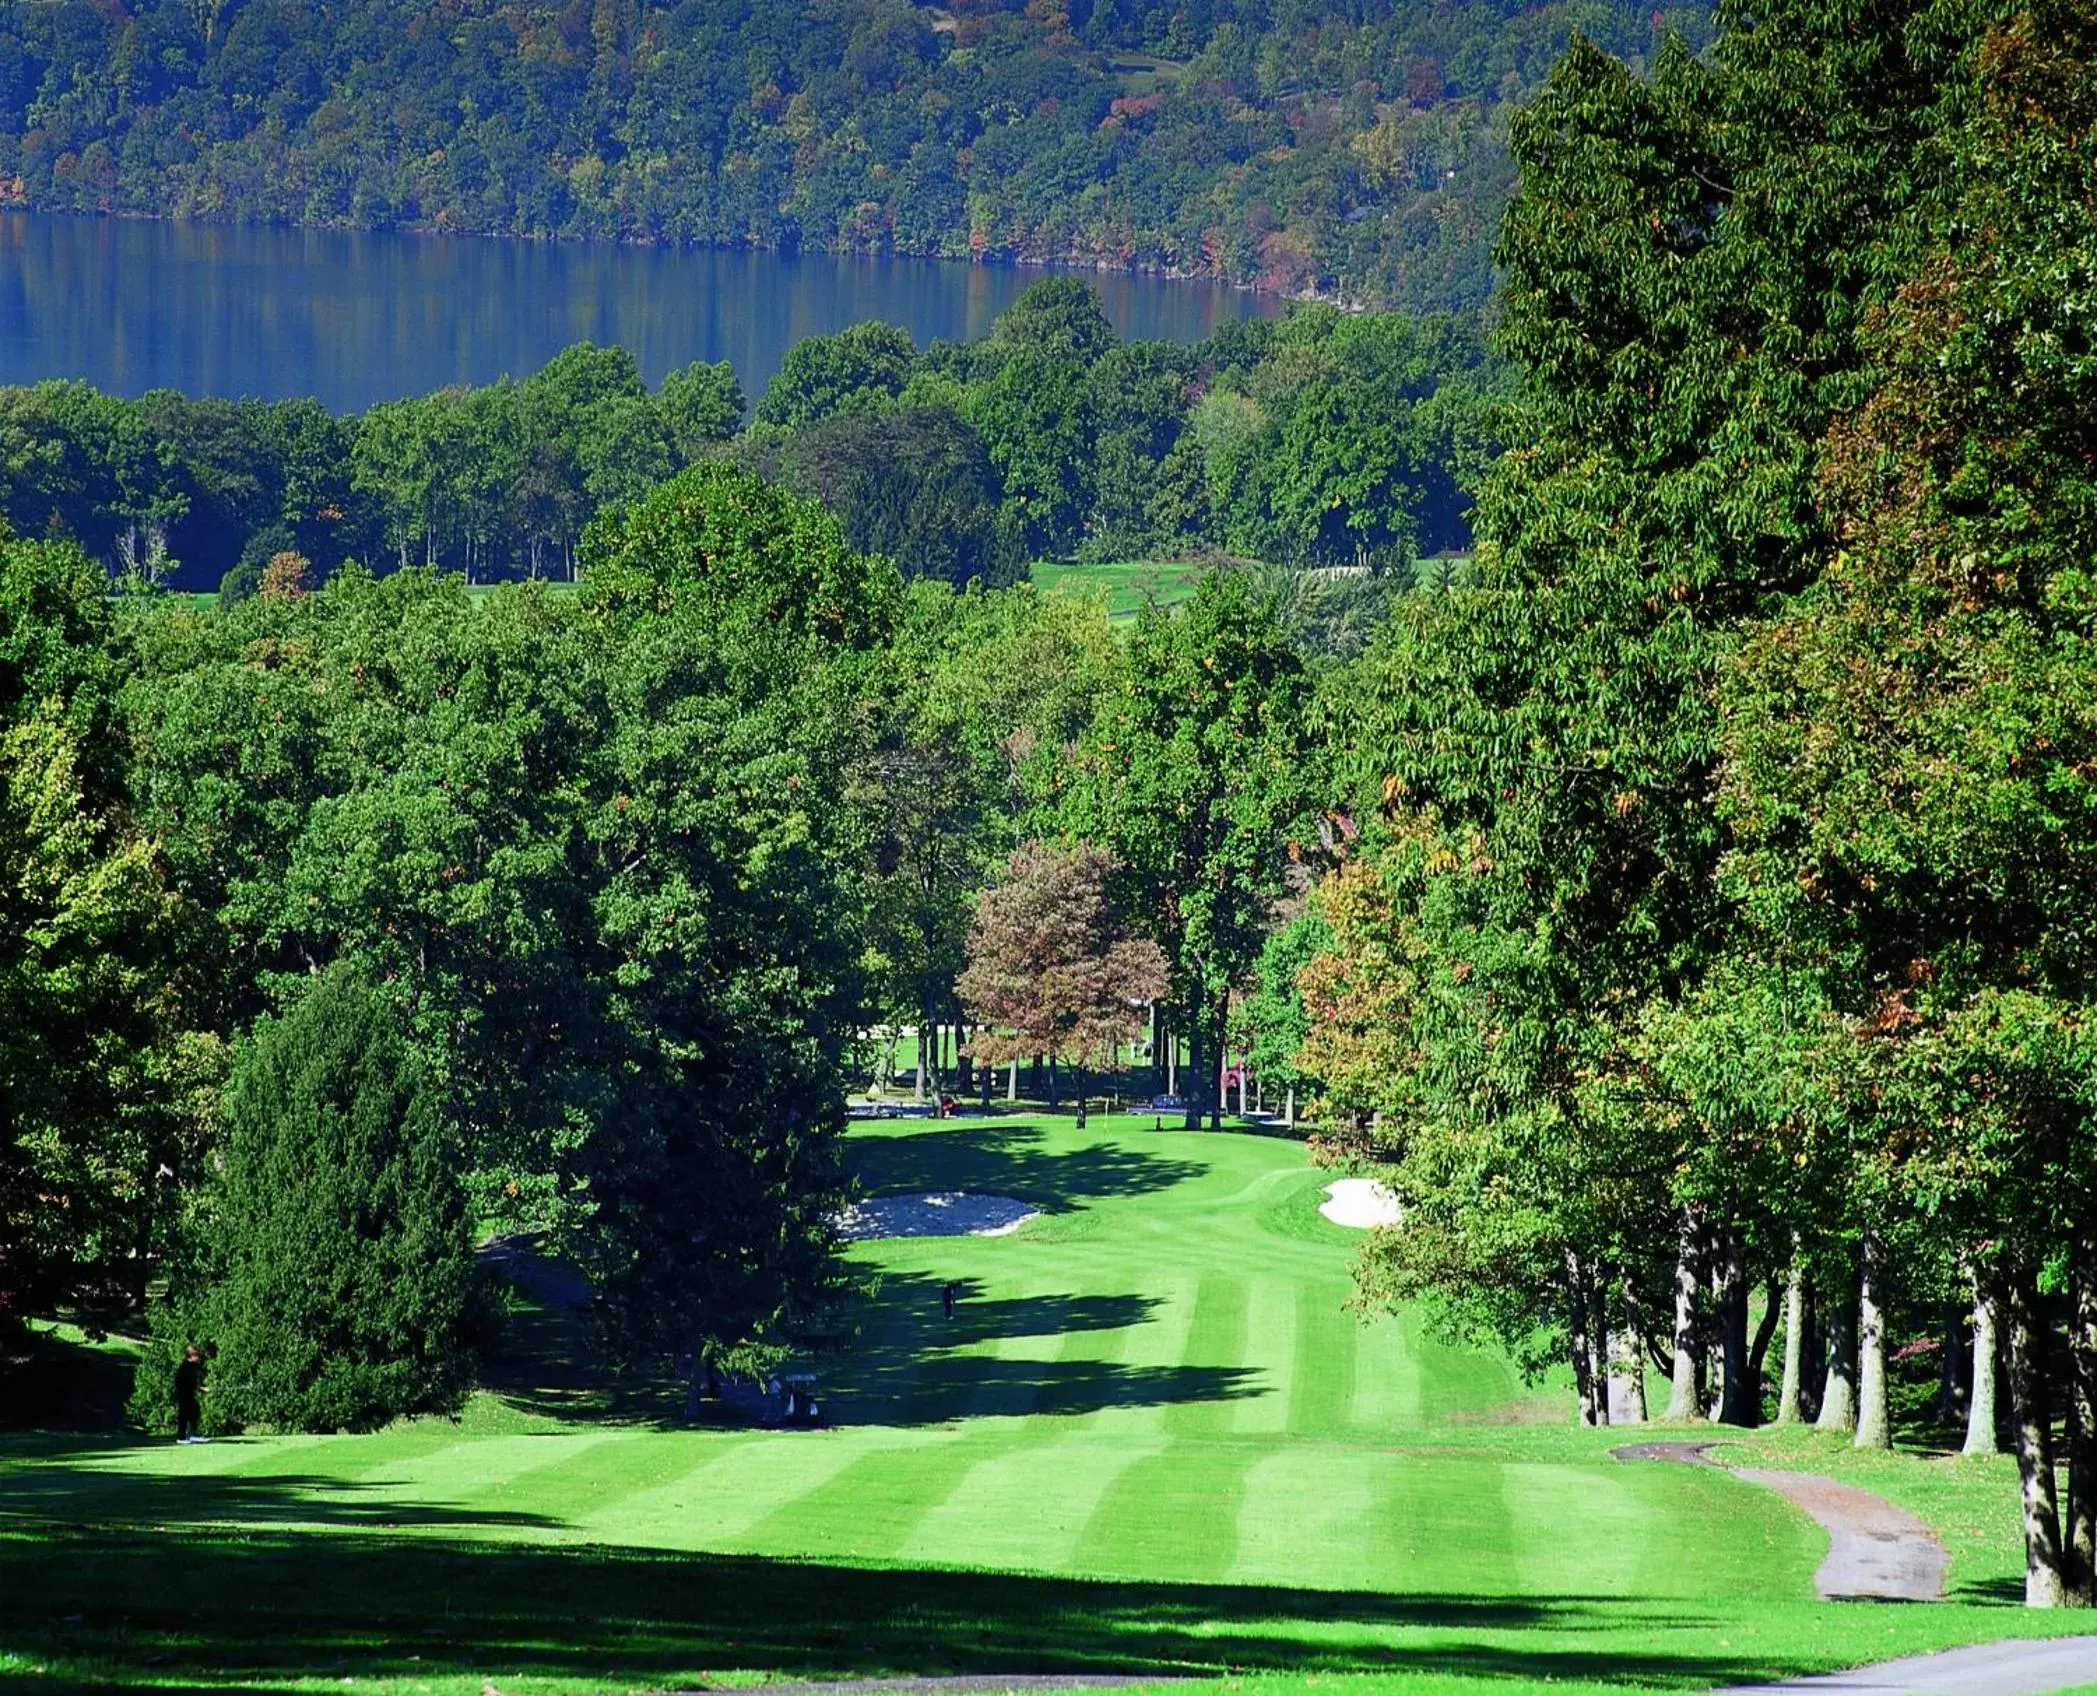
pixel 949 1213
pixel 1359 1204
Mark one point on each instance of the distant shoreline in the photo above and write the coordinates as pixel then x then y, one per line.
pixel 542 238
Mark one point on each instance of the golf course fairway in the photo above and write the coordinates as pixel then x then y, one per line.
pixel 1153 1438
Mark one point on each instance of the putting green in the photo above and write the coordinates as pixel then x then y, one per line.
pixel 1157 1382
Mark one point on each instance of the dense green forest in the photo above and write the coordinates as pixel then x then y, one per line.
pixel 1327 439
pixel 1358 149
pixel 1689 905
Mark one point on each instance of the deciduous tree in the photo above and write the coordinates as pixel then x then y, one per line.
pixel 1053 968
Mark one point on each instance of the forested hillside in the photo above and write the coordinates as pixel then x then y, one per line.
pixel 1357 148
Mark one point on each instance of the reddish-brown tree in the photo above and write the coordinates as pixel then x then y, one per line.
pixel 1052 966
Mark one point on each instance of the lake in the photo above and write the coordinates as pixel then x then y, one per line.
pixel 355 317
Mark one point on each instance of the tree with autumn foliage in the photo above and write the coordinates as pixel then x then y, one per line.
pixel 1690 268
pixel 1053 966
pixel 1198 773
pixel 1911 747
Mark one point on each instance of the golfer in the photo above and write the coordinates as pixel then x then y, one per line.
pixel 946 1299
pixel 189 1388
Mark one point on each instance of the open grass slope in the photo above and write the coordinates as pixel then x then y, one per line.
pixel 1126 585
pixel 1153 1438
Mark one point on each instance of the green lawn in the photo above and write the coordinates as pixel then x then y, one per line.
pixel 1153 1439
pixel 1126 584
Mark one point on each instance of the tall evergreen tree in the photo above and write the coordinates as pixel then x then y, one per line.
pixel 335 1275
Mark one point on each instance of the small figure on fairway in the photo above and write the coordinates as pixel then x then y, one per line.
pixel 946 1300
pixel 189 1388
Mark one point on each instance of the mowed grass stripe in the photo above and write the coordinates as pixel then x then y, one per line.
pixel 1387 1389
pixel 1616 1526
pixel 871 1507
pixel 1088 1361
pixel 1210 1367
pixel 1171 1516
pixel 1028 1507
pixel 489 1475
pixel 1270 1356
pixel 1455 1379
pixel 1321 1383
pixel 724 1487
pixel 1768 1547
pixel 1151 1351
pixel 1444 1527
pixel 1311 1515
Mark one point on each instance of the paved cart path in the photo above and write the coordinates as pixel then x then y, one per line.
pixel 2021 1667
pixel 1876 1551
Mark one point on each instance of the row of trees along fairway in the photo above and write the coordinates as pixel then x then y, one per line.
pixel 1722 920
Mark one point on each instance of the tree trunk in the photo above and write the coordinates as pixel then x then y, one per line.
pixel 1579 1344
pixel 2080 1532
pixel 1737 1402
pixel 1598 1344
pixel 1982 1419
pixel 1874 1421
pixel 1794 1339
pixel 1055 1091
pixel 1632 1353
pixel 1758 1349
pixel 1078 1070
pixel 1952 1358
pixel 1012 1082
pixel 1172 1061
pixel 1838 1397
pixel 1223 1045
pixel 1813 1353
pixel 2031 1420
pixel 918 1090
pixel 1685 1393
pixel 1197 1052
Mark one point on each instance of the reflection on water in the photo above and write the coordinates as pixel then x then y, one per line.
pixel 359 317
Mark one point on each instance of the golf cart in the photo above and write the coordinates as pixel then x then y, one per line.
pixel 781 1400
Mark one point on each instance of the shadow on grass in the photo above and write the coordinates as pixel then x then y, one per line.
pixel 212 1611
pixel 917 1367
pixel 1010 1160
pixel 51 1383
pixel 71 1490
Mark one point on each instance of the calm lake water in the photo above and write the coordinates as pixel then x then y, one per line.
pixel 355 318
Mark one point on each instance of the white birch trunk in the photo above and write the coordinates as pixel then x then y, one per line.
pixel 1682 1393
pixel 1874 1426
pixel 1794 1342
pixel 1981 1421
